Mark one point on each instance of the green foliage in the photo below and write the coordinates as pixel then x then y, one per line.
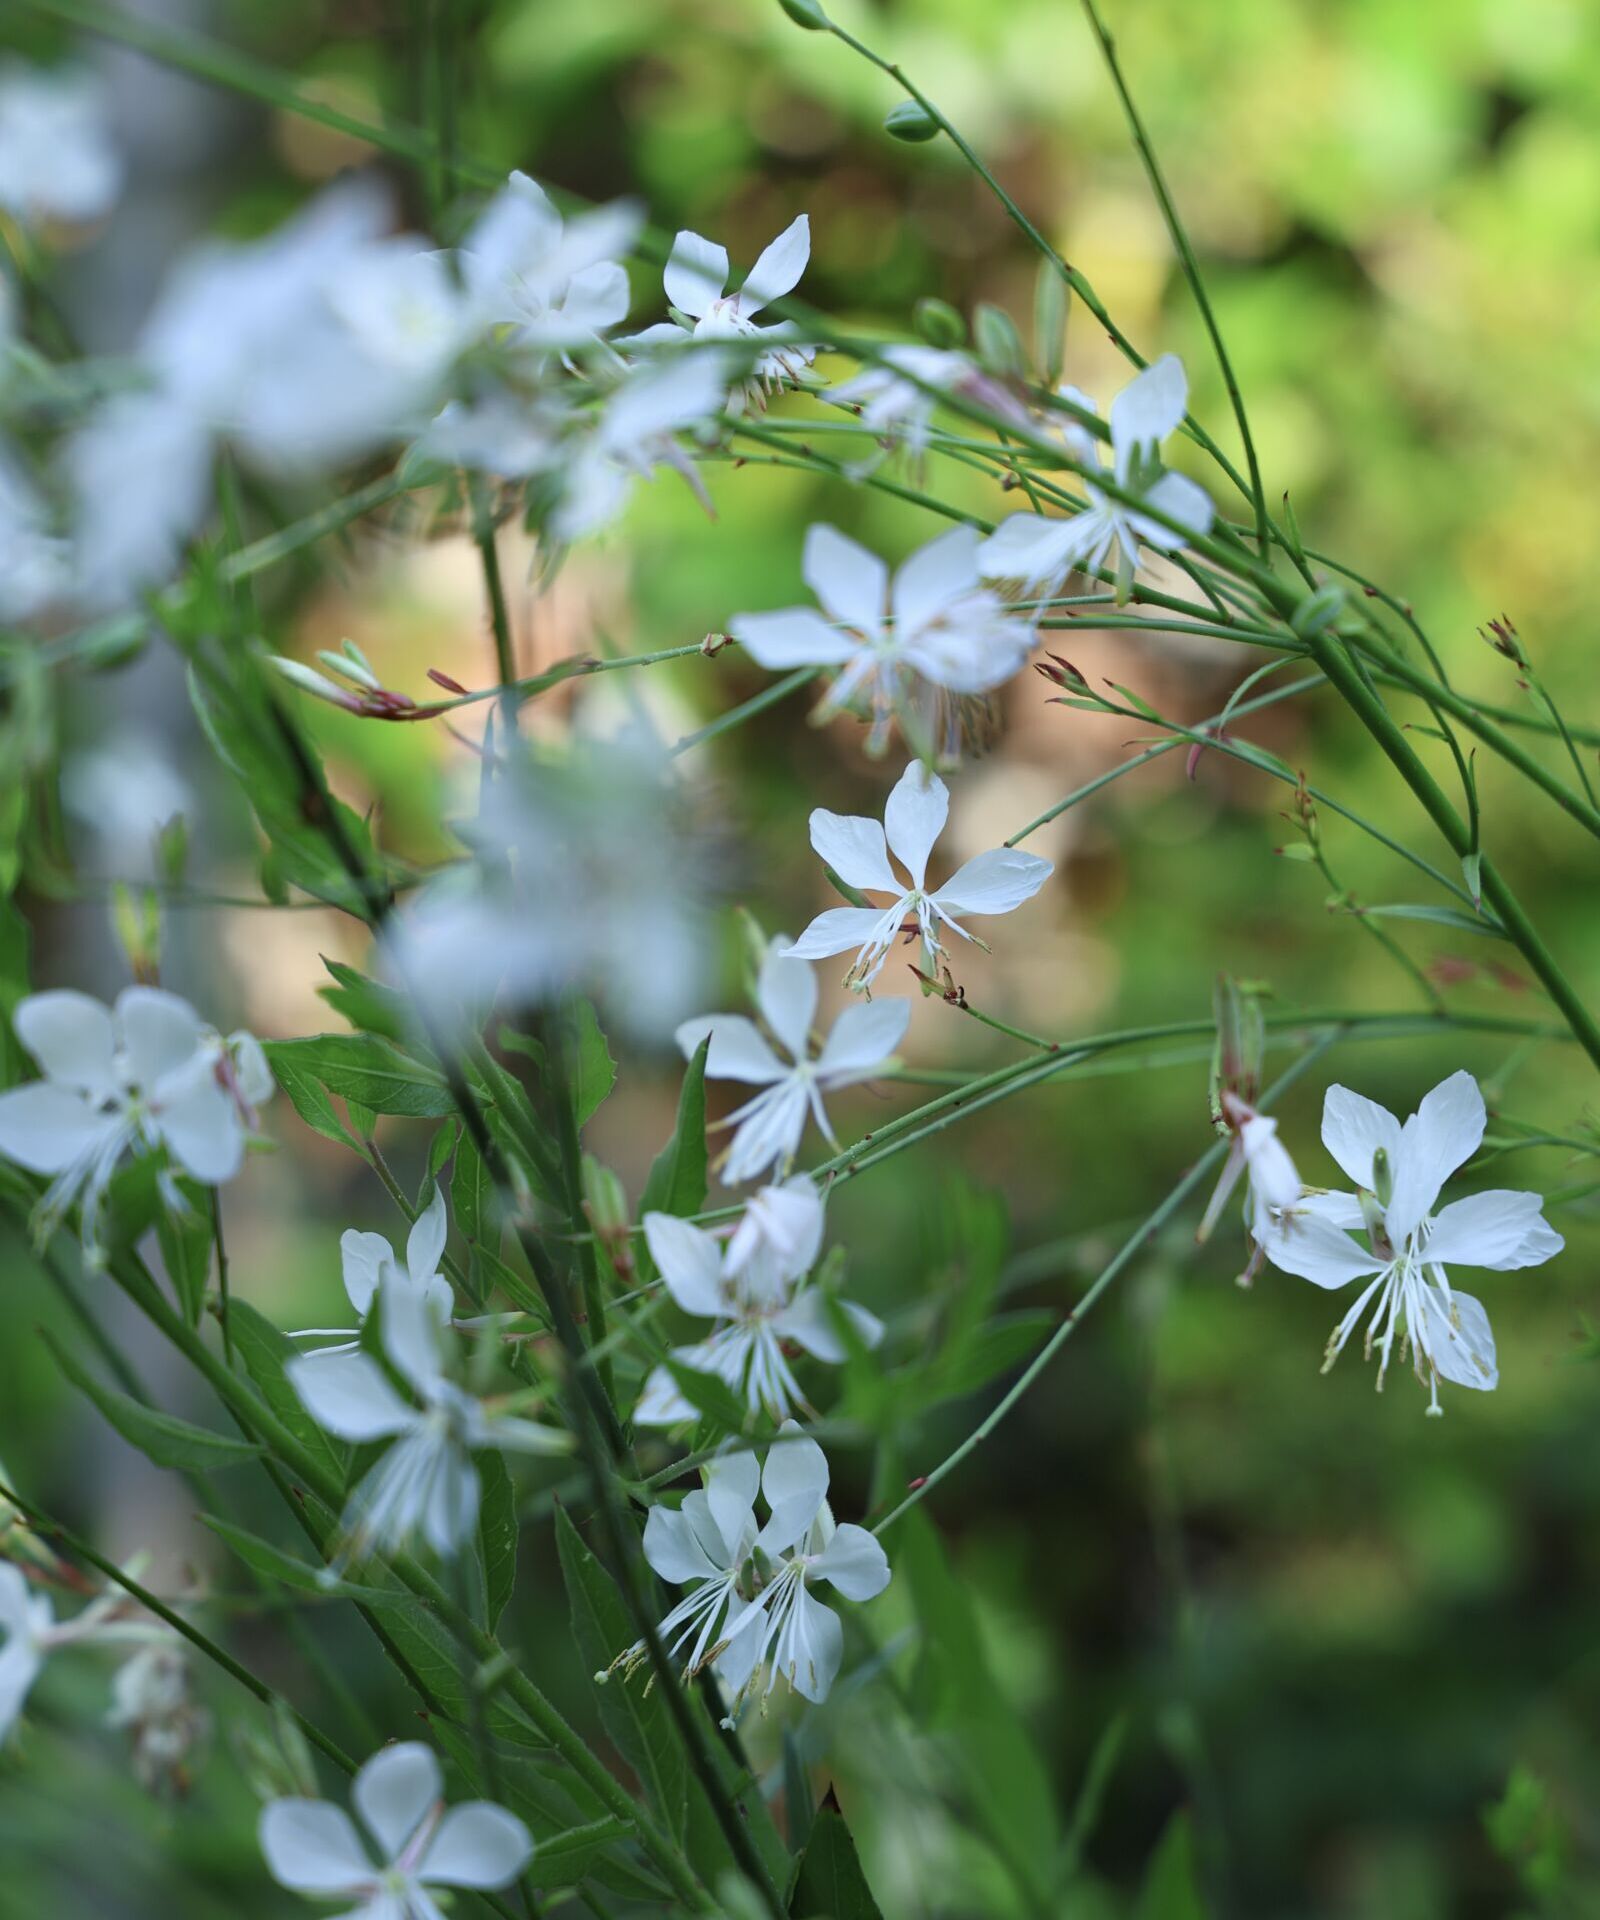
pixel 164 1439
pixel 362 1068
pixel 830 1884
pixel 1171 1889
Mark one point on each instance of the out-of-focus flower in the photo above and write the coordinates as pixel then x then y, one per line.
pixel 897 398
pixel 368 1260
pixel 124 790
pixel 995 882
pixel 152 1702
pixel 750 1610
pixel 586 877
pixel 696 279
pixel 57 160
pixel 417 1843
pixel 1399 1173
pixel 149 1074
pixel 559 283
pixel 768 1128
pixel 426 1483
pixel 751 1286
pixel 937 622
pixel 31 1634
pixel 1038 553
pixel 35 562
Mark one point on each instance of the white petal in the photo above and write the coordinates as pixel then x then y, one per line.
pixel 837 931
pixel 425 1244
pixel 394 1790
pixel 1178 498
pixel 808 1321
pixel 1149 407
pixel 914 818
pixel 1443 1132
pixel 1354 1129
pixel 731 1483
pixel 994 882
pixel 1273 1178
pixel 1460 1339
pixel 769 1134
pixel 72 1037
pixel 794 637
pixel 862 1039
pixel 477 1845
pixel 1499 1229
pixel 854 848
pixel 777 1239
pixel 411 1333
pixel 349 1394
pixel 1314 1249
pixel 809 1649
pixel 794 1482
pixel 690 1262
pixel 854 1562
pixel 453 1493
pixel 47 1128
pixel 980 646
pixel 849 582
pixel 737 1051
pixel 697 271
pixel 932 577
pixel 363 1257
pixel 662 1403
pixel 312 1847
pixel 675 1550
pixel 251 1069
pixel 201 1127
pixel 778 269
pixel 1034 551
pixel 786 993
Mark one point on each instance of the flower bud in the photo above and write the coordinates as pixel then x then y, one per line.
pixel 1317 611
pixel 807 14
pixel 939 324
pixel 999 344
pixel 910 121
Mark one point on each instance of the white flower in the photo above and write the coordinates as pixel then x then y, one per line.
pixel 152 1702
pixel 1399 1172
pixel 937 622
pixel 150 1074
pixel 57 161
pixel 314 1847
pixel 1039 553
pixel 368 1259
pixel 770 1126
pixel 407 306
pixel 696 280
pixel 123 791
pixel 897 398
pixel 1254 1149
pixel 560 284
pixel 35 563
pixel 32 1634
pixel 994 882
pixel 751 1284
pixel 750 1610
pixel 426 1483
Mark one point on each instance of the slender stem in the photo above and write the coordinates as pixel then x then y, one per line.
pixel 220 1245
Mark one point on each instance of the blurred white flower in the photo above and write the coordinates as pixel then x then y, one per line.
pixel 995 882
pixel 750 1610
pixel 124 790
pixel 35 562
pixel 417 1844
pixel 149 1074
pixel 1399 1172
pixel 151 1701
pixel 937 622
pixel 558 283
pixel 57 160
pixel 587 878
pixel 426 1483
pixel 751 1285
pixel 368 1260
pixel 696 279
pixel 407 306
pixel 768 1128
pixel 896 399
pixel 1038 553
pixel 31 1634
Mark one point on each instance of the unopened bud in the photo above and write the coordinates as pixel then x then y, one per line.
pixel 999 345
pixel 911 121
pixel 807 14
pixel 1062 673
pixel 939 323
pixel 1317 611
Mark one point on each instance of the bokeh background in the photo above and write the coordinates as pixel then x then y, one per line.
pixel 1351 1647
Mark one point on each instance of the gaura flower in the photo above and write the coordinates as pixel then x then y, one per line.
pixel 426 1482
pixel 750 1611
pixel 367 1258
pixel 751 1285
pixel 57 161
pixel 896 399
pixel 152 1702
pixel 31 1634
pixel 314 1847
pixel 995 882
pixel 1038 553
pixel 149 1075
pixel 769 1127
pixel 936 623
pixel 1399 1173
pixel 696 280
pixel 1254 1150
pixel 559 283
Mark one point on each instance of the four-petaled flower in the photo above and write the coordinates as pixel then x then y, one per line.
pixel 994 882
pixel 750 1609
pixel 696 280
pixel 426 1483
pixel 1399 1172
pixel 936 623
pixel 151 1073
pixel 768 1128
pixel 31 1634
pixel 368 1259
pixel 314 1847
pixel 1038 553
pixel 752 1285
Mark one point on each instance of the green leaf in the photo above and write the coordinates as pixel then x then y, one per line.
pixel 364 1003
pixel 712 1396
pixel 471 1191
pixel 594 1072
pixel 265 1558
pixel 831 1885
pixel 185 1241
pixel 265 1353
pixel 497 1533
pixel 1171 1890
pixel 361 1068
pixel 677 1181
pixel 1441 917
pixel 161 1437
pixel 636 1719
pixel 310 1100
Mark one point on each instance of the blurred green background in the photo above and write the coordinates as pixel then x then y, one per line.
pixel 1331 1629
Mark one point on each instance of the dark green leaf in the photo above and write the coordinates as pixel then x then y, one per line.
pixel 265 1558
pixel 471 1191
pixel 497 1534
pixel 1171 1889
pixel 677 1180
pixel 594 1072
pixel 831 1885
pixel 365 1070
